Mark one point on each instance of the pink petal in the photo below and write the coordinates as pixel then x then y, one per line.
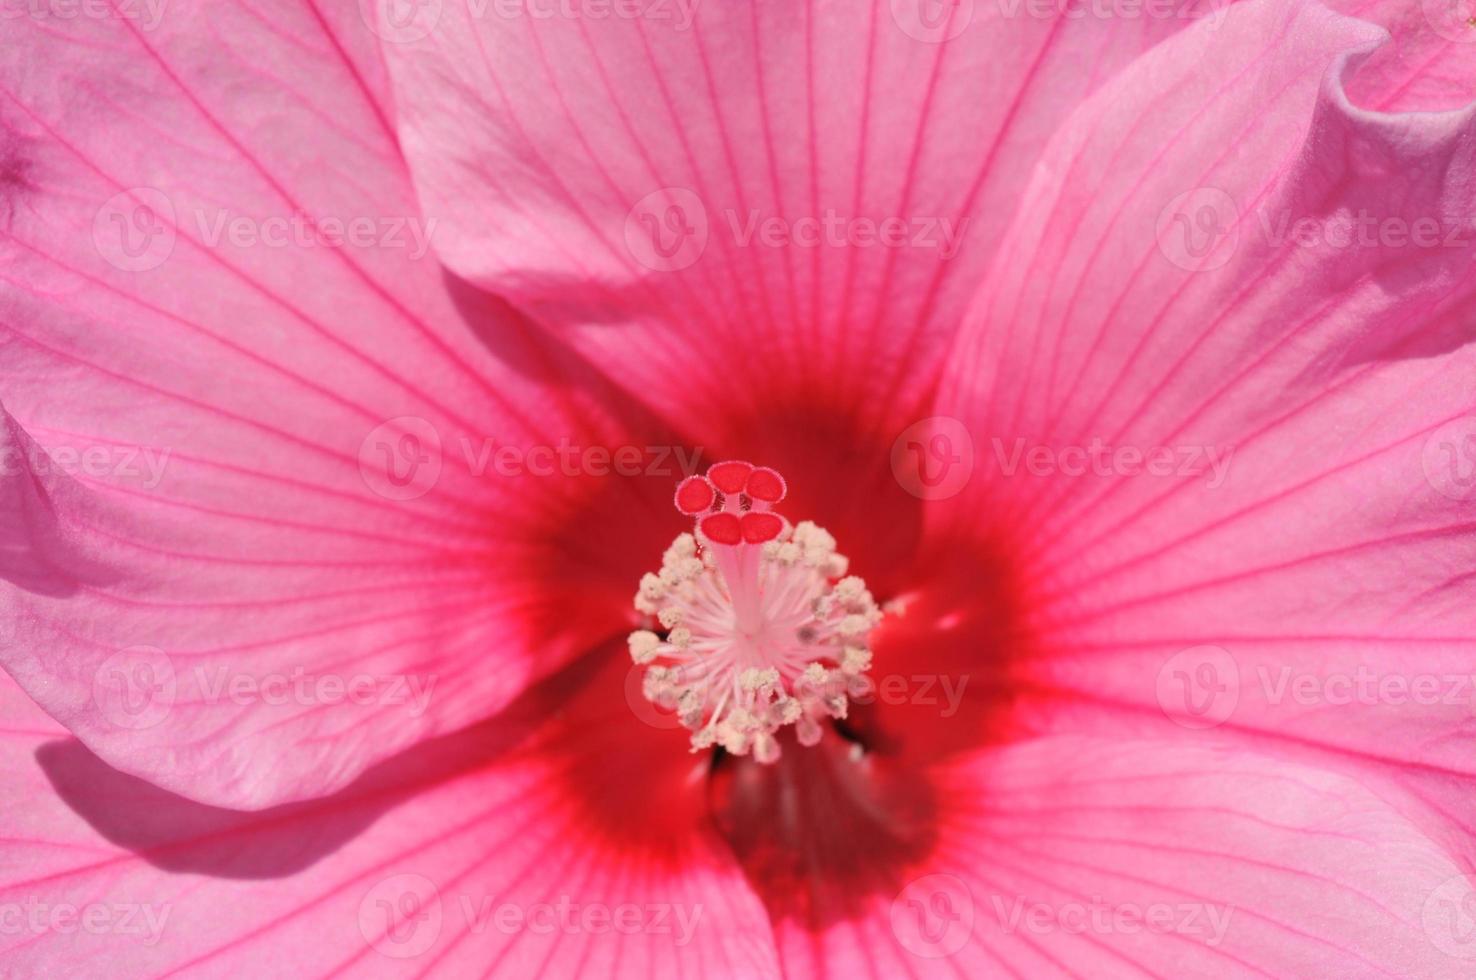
pixel 221 414
pixel 1123 858
pixel 1335 379
pixel 1429 65
pixel 454 858
pixel 547 146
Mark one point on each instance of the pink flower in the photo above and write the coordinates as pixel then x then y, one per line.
pixel 351 359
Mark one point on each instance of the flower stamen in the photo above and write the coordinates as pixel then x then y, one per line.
pixel 753 623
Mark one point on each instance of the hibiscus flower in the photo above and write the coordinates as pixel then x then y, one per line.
pixel 821 489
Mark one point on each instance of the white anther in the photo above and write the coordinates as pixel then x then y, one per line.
pixel 643 644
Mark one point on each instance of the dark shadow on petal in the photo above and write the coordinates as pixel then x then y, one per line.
pixel 538 353
pixel 178 834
